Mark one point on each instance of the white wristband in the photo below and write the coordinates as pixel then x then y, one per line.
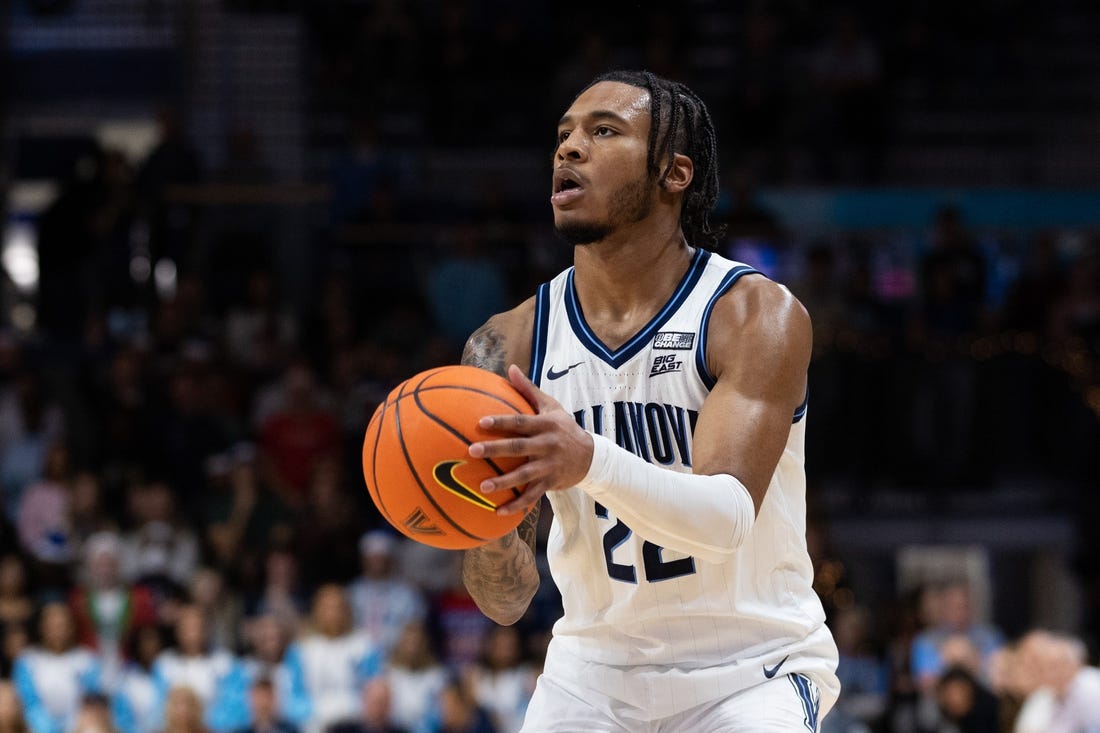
pixel 705 516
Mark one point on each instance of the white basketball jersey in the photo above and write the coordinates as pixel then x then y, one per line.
pixel 647 625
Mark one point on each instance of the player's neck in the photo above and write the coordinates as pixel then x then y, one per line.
pixel 624 279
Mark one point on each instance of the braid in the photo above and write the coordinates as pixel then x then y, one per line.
pixel 680 123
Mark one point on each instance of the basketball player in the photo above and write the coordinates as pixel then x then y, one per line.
pixel 670 387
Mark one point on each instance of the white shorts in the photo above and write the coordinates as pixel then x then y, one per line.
pixel 781 705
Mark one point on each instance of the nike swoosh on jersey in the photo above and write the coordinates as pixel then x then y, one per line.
pixel 551 374
pixel 769 673
pixel 444 473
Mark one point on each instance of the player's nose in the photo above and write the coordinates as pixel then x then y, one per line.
pixel 572 148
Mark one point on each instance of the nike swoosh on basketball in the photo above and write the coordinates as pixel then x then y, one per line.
pixel 444 474
pixel 551 374
pixel 769 673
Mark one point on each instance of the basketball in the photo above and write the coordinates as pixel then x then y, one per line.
pixel 415 461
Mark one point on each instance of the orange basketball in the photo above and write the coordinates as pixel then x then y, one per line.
pixel 415 459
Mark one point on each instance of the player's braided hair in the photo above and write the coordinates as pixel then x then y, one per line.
pixel 680 124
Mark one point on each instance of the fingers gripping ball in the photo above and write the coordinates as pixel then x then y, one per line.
pixel 415 460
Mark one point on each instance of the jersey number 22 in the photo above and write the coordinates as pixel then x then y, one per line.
pixel 655 568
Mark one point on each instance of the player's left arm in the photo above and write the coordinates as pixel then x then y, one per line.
pixel 758 350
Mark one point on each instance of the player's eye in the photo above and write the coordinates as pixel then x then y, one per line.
pixel 603 131
pixel 562 135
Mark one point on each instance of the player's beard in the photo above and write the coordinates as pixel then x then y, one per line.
pixel 631 203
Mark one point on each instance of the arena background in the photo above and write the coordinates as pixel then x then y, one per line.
pixel 230 221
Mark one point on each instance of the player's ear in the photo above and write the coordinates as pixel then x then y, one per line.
pixel 679 175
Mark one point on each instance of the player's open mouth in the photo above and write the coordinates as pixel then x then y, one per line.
pixel 567 187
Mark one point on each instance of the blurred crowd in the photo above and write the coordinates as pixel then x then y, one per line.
pixel 802 92
pixel 945 671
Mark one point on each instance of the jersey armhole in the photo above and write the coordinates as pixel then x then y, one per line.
pixel 727 282
pixel 540 333
pixel 708 379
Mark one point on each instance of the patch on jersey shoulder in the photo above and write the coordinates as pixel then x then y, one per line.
pixel 666 363
pixel 674 340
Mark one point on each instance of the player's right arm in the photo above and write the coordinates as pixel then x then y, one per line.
pixel 501 576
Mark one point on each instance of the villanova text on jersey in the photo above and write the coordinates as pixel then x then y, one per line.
pixel 659 433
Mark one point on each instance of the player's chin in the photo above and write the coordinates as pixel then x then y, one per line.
pixel 577 230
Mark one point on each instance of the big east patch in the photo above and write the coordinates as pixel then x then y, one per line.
pixel 666 363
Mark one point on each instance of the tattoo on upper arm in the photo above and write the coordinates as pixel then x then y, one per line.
pixel 485 349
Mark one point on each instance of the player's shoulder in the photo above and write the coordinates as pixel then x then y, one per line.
pixel 756 298
pixel 503 339
pixel 758 316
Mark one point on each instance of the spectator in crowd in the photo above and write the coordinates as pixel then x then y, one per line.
pixel 87 513
pixel 376 712
pixel 953 280
pixel 183 712
pixel 160 552
pixel 16 640
pixel 430 570
pixel 16 606
pixel 459 711
pixel 952 616
pixel 135 699
pixel 282 595
pixel 242 516
pixel 1038 659
pixel 864 675
pixel 263 703
pixel 266 643
pixel 106 611
pixel 45 522
pixel 212 676
pixel 950 311
pixel 1006 682
pixel 173 161
pixel 94 715
pixel 484 291
pixel 191 424
pixel 220 604
pixel 461 622
pixel 415 677
pixel 1076 688
pixel 502 681
pixel 329 664
pixel 53 676
pixel 327 529
pixel 966 703
pixel 331 325
pixel 30 423
pixel 12 719
pixel 296 436
pixel 381 601
pixel 260 332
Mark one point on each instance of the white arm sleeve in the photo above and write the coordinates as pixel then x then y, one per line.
pixel 705 516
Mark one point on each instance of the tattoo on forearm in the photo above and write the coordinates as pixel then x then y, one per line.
pixel 502 576
pixel 485 349
pixel 528 527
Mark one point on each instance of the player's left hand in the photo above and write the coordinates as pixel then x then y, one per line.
pixel 557 449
